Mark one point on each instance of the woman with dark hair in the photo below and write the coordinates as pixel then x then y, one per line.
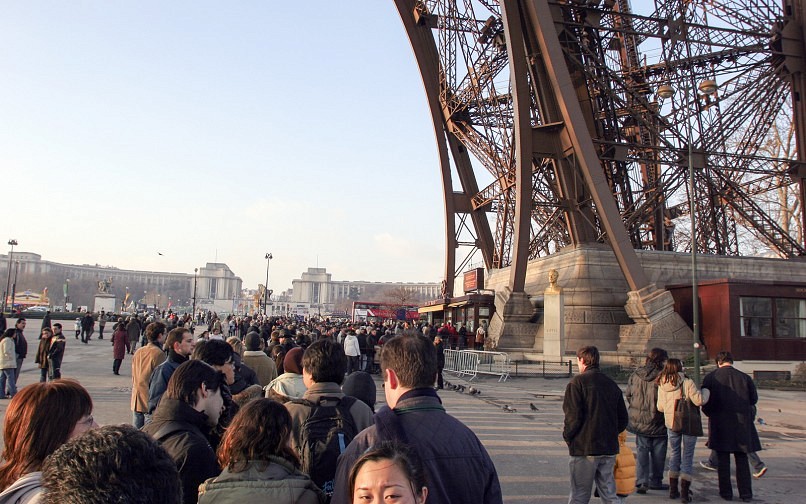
pixel 258 464
pixel 672 385
pixel 31 433
pixel 8 364
pixel 388 471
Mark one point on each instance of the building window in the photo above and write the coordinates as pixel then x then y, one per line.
pixel 763 317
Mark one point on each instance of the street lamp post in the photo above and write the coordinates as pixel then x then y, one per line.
pixel 707 88
pixel 66 293
pixel 269 257
pixel 195 277
pixel 11 242
pixel 14 285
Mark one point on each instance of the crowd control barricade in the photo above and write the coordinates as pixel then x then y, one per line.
pixel 462 363
pixel 474 362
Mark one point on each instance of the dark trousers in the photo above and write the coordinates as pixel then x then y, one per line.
pixel 440 382
pixel 85 334
pixel 116 366
pixel 43 374
pixel 353 363
pixel 743 482
pixel 100 332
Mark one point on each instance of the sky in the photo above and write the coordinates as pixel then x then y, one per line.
pixel 218 132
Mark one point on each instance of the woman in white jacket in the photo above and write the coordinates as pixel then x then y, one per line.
pixel 8 365
pixel 671 385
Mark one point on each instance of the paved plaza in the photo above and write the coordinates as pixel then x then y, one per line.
pixel 526 445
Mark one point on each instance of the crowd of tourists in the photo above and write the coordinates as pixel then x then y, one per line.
pixel 282 410
pixel 248 410
pixel 664 414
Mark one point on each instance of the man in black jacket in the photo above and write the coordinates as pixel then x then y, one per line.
pixel 180 346
pixel 647 423
pixel 187 412
pixel 594 416
pixel 730 411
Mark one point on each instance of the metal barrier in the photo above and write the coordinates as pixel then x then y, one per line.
pixel 473 362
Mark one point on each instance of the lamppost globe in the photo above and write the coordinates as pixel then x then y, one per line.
pixel 665 91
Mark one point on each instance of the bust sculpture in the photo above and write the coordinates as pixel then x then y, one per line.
pixel 553 288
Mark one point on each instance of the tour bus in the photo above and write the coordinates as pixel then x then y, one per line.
pixel 367 311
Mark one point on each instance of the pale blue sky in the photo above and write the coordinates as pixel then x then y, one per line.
pixel 230 128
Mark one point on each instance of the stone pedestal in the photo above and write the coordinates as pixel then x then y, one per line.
pixel 510 327
pixel 553 325
pixel 105 302
pixel 656 324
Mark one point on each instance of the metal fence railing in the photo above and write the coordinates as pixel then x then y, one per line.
pixel 544 369
pixel 471 363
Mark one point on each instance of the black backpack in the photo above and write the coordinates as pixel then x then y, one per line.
pixel 323 436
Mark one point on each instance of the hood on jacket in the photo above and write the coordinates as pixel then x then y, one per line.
pixel 668 387
pixel 648 373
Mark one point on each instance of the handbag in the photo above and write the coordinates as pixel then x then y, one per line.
pixel 687 419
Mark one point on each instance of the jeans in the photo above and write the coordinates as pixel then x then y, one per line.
pixel 587 470
pixel 8 382
pixel 17 370
pixel 680 461
pixel 43 375
pixel 650 458
pixel 54 373
pixel 138 419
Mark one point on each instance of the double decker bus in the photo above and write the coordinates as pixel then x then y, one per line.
pixel 367 311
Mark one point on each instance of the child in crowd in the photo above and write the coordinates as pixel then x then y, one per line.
pixel 624 468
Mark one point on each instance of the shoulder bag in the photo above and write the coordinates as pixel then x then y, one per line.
pixel 687 419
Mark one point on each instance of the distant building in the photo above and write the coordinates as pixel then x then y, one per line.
pixel 217 287
pixel 317 293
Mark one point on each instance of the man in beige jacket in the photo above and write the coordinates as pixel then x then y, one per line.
pixel 257 360
pixel 145 360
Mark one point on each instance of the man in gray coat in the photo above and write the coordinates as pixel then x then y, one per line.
pixel 647 423
pixel 730 413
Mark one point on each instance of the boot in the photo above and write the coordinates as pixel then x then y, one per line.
pixel 685 490
pixel 673 493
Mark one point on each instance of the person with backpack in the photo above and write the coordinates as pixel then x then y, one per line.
pixel 325 421
pixel 458 466
pixel 187 412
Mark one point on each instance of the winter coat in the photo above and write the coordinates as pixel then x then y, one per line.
pixel 120 343
pixel 42 353
pixel 642 399
pixel 188 447
pixel 279 482
pixel 144 362
pixel 26 490
pixel 159 379
pixel 20 345
pixel 668 394
pixel 731 410
pixel 8 354
pixel 594 414
pixel 133 330
pixel 262 365
pixel 288 384
pixel 459 469
pixel 56 351
pixel 351 347
pixel 624 470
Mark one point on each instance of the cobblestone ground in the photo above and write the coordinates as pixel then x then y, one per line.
pixel 526 445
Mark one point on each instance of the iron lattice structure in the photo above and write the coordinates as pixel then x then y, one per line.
pixel 552 131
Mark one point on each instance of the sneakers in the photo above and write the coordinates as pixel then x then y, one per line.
pixel 641 489
pixel 761 472
pixel 705 464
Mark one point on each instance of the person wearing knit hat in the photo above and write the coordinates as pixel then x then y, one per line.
pixel 289 384
pixel 361 386
pixel 256 359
